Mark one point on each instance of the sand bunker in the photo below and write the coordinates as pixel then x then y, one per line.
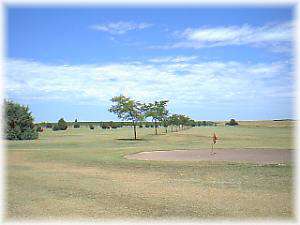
pixel 259 156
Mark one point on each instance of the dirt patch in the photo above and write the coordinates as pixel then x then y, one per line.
pixel 260 156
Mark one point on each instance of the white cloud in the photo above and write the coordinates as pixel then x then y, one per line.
pixel 240 35
pixel 173 59
pixel 180 82
pixel 120 27
pixel 263 36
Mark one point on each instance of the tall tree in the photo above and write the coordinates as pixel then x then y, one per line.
pixel 183 121
pixel 166 122
pixel 76 124
pixel 157 111
pixel 174 121
pixel 128 109
pixel 19 122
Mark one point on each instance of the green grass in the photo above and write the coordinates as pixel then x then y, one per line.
pixel 82 173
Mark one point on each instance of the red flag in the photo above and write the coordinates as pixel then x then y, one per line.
pixel 215 138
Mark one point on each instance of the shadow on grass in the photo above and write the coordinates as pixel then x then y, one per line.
pixel 131 139
pixel 157 134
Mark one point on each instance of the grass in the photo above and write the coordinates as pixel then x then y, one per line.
pixel 82 173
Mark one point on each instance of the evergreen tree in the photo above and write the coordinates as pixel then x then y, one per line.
pixel 19 122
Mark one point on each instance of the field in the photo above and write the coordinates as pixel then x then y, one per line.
pixel 83 173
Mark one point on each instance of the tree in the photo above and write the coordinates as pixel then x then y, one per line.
pixel 129 110
pixel 232 122
pixel 174 120
pixel 48 125
pixel 19 122
pixel 39 128
pixel 179 121
pixel 157 111
pixel 55 127
pixel 76 124
pixel 183 120
pixel 61 125
pixel 166 122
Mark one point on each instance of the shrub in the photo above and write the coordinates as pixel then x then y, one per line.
pixel 39 129
pixel 76 124
pixel 91 126
pixel 48 125
pixel 19 122
pixel 55 127
pixel 62 124
pixel 232 122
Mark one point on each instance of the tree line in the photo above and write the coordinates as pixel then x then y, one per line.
pixel 115 124
pixel 119 124
pixel 128 109
pixel 19 122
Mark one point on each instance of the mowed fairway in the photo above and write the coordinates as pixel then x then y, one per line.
pixel 83 173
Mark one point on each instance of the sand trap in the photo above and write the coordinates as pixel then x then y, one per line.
pixel 260 156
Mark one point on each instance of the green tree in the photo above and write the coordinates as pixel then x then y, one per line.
pixel 62 124
pixel 174 121
pixel 19 122
pixel 166 122
pixel 129 110
pixel 232 122
pixel 157 111
pixel 183 121
pixel 76 124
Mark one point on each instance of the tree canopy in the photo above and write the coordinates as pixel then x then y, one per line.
pixel 157 111
pixel 61 125
pixel 128 109
pixel 19 122
pixel 232 122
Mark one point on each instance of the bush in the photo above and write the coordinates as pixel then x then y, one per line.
pixel 19 122
pixel 91 126
pixel 61 125
pixel 55 127
pixel 48 125
pixel 232 122
pixel 76 124
pixel 39 129
pixel 104 126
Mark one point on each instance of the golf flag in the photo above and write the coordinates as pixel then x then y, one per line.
pixel 215 138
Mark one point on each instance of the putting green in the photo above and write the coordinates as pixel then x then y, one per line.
pixel 260 156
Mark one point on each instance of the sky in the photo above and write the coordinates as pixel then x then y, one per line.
pixel 211 63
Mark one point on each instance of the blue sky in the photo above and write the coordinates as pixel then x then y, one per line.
pixel 210 63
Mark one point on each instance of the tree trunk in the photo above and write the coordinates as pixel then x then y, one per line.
pixel 155 125
pixel 166 130
pixel 134 130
